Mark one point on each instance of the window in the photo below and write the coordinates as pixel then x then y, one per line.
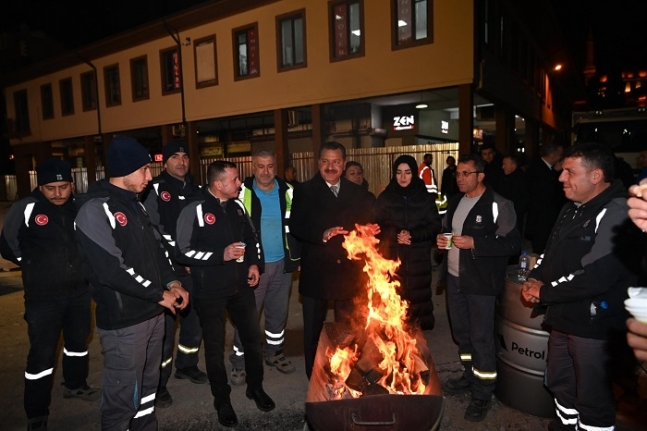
pixel 47 101
pixel 89 90
pixel 113 88
pixel 67 97
pixel 22 112
pixel 291 42
pixel 170 66
pixel 139 77
pixel 206 71
pixel 412 23
pixel 346 29
pixel 246 53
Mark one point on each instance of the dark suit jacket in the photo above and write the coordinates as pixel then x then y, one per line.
pixel 326 272
pixel 546 200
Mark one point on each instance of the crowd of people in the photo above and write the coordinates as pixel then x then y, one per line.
pixel 157 253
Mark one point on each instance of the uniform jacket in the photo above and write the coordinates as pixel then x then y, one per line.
pixel 589 262
pixel 428 176
pixel 491 222
pixel 252 203
pixel 547 195
pixel 164 199
pixel 39 236
pixel 416 212
pixel 326 272
pixel 204 229
pixel 123 257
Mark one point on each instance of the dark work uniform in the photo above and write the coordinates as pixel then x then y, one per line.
pixel 39 236
pixel 164 200
pixel 205 228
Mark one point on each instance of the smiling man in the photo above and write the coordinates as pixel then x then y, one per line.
pixel 583 279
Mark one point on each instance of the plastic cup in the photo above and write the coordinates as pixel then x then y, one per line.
pixel 637 307
pixel 637 292
pixel 241 259
pixel 449 244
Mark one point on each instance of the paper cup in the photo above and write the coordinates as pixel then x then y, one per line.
pixel 637 307
pixel 449 244
pixel 637 292
pixel 242 258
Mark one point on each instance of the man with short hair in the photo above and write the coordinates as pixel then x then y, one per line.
pixel 268 201
pixel 325 208
pixel 583 279
pixel 164 198
pixel 132 282
pixel 290 175
pixel 512 186
pixel 493 170
pixel 483 224
pixel 218 240
pixel 426 173
pixel 448 187
pixel 38 235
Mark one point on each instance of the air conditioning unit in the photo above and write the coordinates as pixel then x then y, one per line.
pixel 178 130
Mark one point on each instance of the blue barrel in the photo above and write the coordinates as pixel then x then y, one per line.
pixel 521 355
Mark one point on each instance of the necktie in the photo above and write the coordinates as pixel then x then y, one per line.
pixel 334 190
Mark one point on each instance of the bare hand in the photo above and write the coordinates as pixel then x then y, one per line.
pixel 375 228
pixel 333 231
pixel 181 295
pixel 638 205
pixel 168 301
pixel 637 338
pixel 404 237
pixel 441 241
pixel 233 251
pixel 464 242
pixel 253 275
pixel 530 290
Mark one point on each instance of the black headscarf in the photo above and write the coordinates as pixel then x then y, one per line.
pixel 416 183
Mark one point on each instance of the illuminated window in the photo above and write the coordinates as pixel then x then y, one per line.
pixel 206 71
pixel 412 22
pixel 246 52
pixel 346 29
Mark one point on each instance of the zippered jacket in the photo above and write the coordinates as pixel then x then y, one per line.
pixel 590 261
pixel 205 228
pixel 123 257
pixel 39 236
pixel 491 222
pixel 291 246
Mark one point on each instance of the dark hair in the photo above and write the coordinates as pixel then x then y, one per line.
pixel 513 158
pixel 550 148
pixel 217 168
pixel 479 164
pixel 450 158
pixel 352 163
pixel 594 155
pixel 332 145
pixel 487 146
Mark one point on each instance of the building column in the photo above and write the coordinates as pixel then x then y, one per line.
pixel 90 158
pixel 504 141
pixel 281 140
pixel 465 118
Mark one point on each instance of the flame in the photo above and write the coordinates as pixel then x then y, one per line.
pixel 386 323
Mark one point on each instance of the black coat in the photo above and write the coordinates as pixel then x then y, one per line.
pixel 546 200
pixel 416 212
pixel 514 188
pixel 326 272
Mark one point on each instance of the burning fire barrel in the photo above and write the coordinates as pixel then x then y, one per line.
pixel 372 408
pixel 521 357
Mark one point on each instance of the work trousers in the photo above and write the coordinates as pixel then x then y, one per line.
pixel 472 320
pixel 243 314
pixel 577 373
pixel 272 294
pixel 190 335
pixel 131 373
pixel 45 319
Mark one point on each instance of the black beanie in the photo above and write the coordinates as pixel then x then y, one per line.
pixel 53 170
pixel 175 146
pixel 125 155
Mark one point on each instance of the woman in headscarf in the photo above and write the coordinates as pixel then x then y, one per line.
pixel 410 222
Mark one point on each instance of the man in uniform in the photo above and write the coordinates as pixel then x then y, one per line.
pixel 38 235
pixel 165 197
pixel 426 173
pixel 132 282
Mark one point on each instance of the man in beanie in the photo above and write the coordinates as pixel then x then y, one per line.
pixel 38 235
pixel 164 198
pixel 132 282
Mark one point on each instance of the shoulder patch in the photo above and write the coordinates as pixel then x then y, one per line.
pixel 165 196
pixel 41 219
pixel 121 218
pixel 209 218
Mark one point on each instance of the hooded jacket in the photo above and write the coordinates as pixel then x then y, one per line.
pixel 589 262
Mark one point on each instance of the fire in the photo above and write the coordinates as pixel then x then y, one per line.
pixel 398 364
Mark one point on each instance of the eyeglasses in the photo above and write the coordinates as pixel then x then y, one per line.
pixel 465 174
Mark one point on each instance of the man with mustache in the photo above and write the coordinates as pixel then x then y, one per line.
pixel 324 209
pixel 38 235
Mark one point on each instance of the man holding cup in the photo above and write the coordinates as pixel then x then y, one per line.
pixel 583 278
pixel 482 236
pixel 213 235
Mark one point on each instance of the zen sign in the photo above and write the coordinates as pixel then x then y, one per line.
pixel 405 122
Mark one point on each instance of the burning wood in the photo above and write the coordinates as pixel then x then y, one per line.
pixel 383 357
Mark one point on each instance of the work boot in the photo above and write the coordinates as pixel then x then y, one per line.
pixel 457 386
pixel 281 363
pixel 85 393
pixel 226 414
pixel 193 374
pixel 477 410
pixel 262 400
pixel 163 399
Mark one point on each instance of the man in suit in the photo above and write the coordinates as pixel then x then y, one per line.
pixel 324 209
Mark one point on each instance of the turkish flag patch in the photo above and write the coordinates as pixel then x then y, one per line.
pixel 41 219
pixel 166 196
pixel 121 218
pixel 209 218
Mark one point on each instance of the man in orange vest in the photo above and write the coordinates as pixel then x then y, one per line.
pixel 427 174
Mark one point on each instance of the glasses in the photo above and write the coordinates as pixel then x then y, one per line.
pixel 465 174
